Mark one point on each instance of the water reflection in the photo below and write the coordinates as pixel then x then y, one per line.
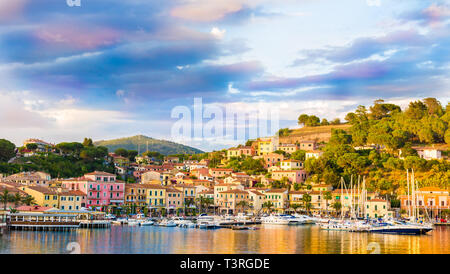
pixel 268 240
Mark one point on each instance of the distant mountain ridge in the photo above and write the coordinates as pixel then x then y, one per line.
pixel 161 146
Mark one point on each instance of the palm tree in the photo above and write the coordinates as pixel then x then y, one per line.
pixel 201 201
pixel 307 202
pixel 5 198
pixel 327 196
pixel 187 203
pixel 208 203
pixel 337 206
pixel 28 200
pixel 268 205
pixel 17 199
pixel 243 204
pixel 295 207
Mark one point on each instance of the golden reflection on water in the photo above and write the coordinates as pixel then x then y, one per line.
pixel 268 240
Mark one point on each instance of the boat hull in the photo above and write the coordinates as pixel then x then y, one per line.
pixel 401 230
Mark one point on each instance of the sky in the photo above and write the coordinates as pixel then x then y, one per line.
pixel 114 68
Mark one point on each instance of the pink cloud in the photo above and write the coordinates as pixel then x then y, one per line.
pixel 207 10
pixel 78 37
pixel 9 9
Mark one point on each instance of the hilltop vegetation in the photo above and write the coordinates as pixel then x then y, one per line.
pixel 68 160
pixel 387 126
pixel 318 133
pixel 161 146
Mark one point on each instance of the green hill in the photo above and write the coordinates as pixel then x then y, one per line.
pixel 161 146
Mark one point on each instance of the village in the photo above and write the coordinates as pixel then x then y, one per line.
pixel 191 187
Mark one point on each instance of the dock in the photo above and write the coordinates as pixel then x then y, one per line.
pixel 95 224
pixel 42 222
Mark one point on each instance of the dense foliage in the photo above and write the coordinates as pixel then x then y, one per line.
pixel 6 150
pixel 385 126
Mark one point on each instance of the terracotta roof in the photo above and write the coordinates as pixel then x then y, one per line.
pixel 78 179
pixel 430 188
pixel 276 190
pixel 100 173
pixel 33 208
pixel 44 190
pixel 184 185
pixel 73 193
pixel 257 192
pixel 235 191
pixel 376 200
pixel 171 189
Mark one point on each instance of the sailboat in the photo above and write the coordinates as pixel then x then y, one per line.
pixel 412 226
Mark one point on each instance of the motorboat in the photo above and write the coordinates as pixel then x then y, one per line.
pixel 146 223
pixel 396 227
pixel 167 223
pixel 133 222
pixel 208 225
pixel 275 220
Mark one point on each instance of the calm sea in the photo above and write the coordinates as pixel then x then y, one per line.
pixel 269 239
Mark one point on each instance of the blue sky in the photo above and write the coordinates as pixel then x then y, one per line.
pixel 113 68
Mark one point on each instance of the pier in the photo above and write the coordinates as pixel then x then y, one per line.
pixel 95 224
pixel 42 222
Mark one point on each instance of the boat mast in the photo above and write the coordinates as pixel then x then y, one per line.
pixel 409 198
pixel 342 200
pixel 351 196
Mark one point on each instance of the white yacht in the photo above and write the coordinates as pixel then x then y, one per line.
pixel 275 220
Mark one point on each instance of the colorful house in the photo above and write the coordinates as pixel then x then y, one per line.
pixel 294 176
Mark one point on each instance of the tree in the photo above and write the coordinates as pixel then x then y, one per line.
pixel 243 204
pixel 337 207
pixel 17 199
pixel 5 197
pixel 7 150
pixel 433 106
pixel 324 122
pixel 28 200
pixel 132 155
pixel 310 121
pixel 284 132
pixel 88 142
pixel 307 202
pixel 336 121
pixel 298 155
pixel 31 146
pixel 268 206
pixel 447 136
pixel 416 110
pixel 327 196
pixel 121 152
pixel 248 143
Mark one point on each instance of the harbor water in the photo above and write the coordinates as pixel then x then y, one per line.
pixel 270 239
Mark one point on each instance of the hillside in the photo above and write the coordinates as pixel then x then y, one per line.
pixel 319 133
pixel 161 146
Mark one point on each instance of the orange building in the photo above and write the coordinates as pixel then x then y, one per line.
pixel 432 199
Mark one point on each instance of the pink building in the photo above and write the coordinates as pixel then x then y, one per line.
pixel 101 189
pixel 294 176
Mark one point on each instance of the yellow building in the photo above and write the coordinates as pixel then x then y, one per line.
pixel 43 196
pixel 279 198
pixel 377 208
pixel 71 200
pixel 135 194
pixel 229 201
pixel 156 196
pixel 265 146
pixel 256 199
